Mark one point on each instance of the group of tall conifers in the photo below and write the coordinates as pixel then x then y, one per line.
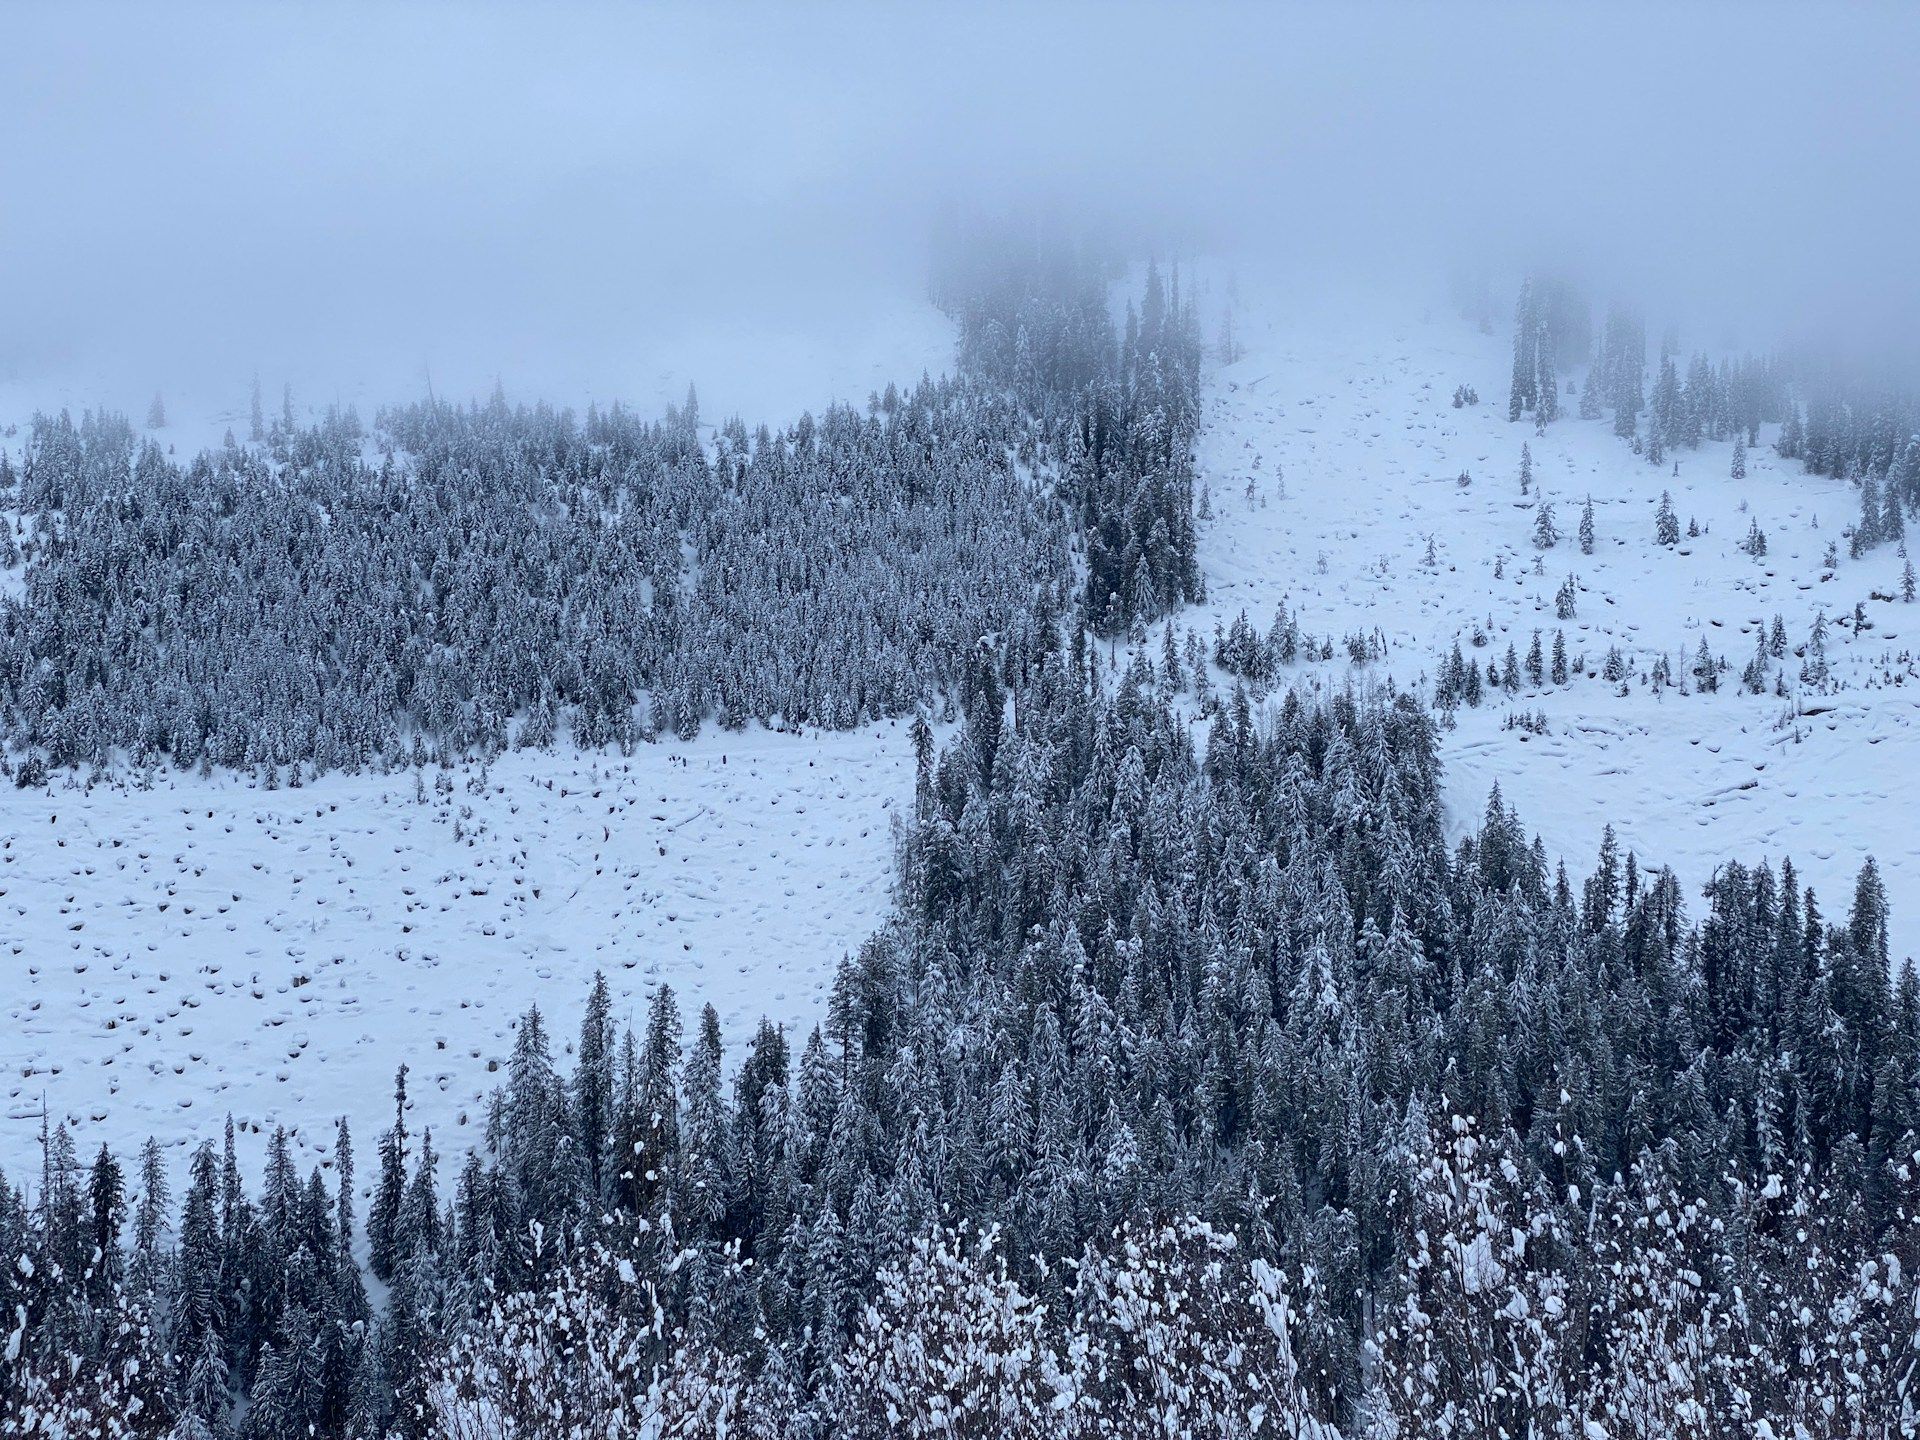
pixel 1553 340
pixel 1836 418
pixel 1119 408
pixel 464 579
pixel 1495 1134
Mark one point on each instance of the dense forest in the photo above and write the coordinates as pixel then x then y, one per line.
pixel 463 579
pixel 1194 1083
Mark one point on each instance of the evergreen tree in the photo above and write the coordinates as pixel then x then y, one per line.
pixel 593 1091
pixel 390 1190
pixel 1545 535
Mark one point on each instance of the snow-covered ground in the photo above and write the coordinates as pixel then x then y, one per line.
pixel 207 946
pixel 1341 414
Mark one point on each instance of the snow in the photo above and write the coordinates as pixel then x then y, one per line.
pixel 1341 412
pixel 209 946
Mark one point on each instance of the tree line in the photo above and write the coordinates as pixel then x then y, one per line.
pixel 461 579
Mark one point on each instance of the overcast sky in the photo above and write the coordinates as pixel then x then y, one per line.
pixel 574 196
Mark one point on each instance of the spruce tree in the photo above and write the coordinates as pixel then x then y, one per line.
pixel 383 1215
pixel 1666 524
pixel 1545 534
pixel 593 1073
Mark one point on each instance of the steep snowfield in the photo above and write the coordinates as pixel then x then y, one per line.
pixel 1341 414
pixel 208 947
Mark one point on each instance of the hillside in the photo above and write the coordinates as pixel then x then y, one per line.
pixel 1340 415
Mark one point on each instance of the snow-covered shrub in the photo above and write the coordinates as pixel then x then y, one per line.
pixel 586 1357
pixel 952 1348
pixel 1176 1333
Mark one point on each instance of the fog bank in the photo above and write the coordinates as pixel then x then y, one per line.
pixel 587 200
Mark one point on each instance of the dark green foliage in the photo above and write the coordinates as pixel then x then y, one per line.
pixel 1130 977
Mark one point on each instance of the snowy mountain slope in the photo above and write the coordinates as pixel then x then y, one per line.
pixel 208 946
pixel 1340 414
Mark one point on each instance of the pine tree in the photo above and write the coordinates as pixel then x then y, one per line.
pixel 651 1109
pixel 1739 457
pixel 593 1073
pixel 1791 442
pixel 1547 385
pixel 1706 673
pixel 1545 535
pixel 390 1191
pixel 1586 527
pixel 150 1224
pixel 343 1171
pixel 1666 524
pixel 539 1150
pixel 701 1176
pixel 1866 532
pixel 197 1310
pixel 1814 670
pixel 1565 602
pixel 1525 388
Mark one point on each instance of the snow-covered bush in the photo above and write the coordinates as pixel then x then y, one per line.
pixel 586 1357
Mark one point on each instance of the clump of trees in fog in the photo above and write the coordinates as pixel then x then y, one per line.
pixel 1834 418
pixel 468 578
pixel 1120 410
